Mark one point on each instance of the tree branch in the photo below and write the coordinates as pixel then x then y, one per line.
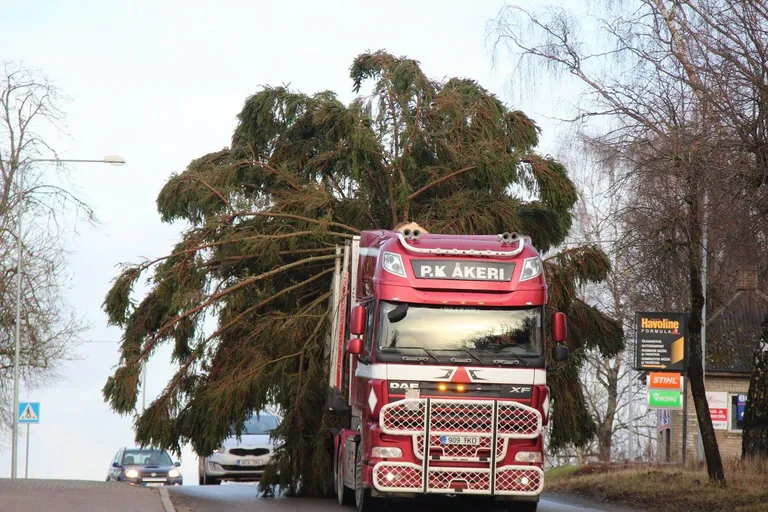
pixel 439 181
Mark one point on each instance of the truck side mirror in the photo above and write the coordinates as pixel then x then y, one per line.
pixel 560 353
pixel 355 346
pixel 559 327
pixel 115 464
pixel 357 321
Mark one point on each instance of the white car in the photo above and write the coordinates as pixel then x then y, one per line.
pixel 241 460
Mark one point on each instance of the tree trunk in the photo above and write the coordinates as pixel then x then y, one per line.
pixel 695 370
pixel 754 443
pixel 605 432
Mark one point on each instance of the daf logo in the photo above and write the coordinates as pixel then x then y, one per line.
pixel 404 385
pixel 521 390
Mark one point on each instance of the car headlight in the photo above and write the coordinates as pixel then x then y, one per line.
pixel 381 452
pixel 132 473
pixel 173 473
pixel 393 264
pixel 220 449
pixel 531 269
pixel 528 457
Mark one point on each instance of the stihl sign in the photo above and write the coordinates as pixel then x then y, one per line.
pixel 663 380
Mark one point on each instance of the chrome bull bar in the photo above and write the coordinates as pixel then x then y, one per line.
pixel 428 420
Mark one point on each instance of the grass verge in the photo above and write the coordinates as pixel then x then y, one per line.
pixel 666 488
pixel 559 472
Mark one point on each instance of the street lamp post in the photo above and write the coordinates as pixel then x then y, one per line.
pixel 112 159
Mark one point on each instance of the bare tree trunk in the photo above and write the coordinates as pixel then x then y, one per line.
pixel 695 370
pixel 754 443
pixel 605 429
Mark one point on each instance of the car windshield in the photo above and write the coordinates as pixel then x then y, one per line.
pixel 147 458
pixel 482 331
pixel 262 423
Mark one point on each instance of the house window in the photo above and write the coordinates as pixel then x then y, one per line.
pixel 736 417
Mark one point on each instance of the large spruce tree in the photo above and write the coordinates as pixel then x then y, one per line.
pixel 754 443
pixel 304 173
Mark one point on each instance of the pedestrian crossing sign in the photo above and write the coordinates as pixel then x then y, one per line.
pixel 29 412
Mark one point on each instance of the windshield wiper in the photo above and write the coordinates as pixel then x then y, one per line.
pixel 464 350
pixel 517 360
pixel 411 358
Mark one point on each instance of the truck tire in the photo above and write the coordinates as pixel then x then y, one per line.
pixel 363 499
pixel 344 495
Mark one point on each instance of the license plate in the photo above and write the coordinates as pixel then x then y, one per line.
pixel 153 484
pixel 249 462
pixel 470 440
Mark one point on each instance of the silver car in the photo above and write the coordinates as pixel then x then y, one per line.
pixel 241 460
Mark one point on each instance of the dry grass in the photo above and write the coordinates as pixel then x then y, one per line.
pixel 664 488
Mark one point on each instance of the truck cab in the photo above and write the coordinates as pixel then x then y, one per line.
pixel 437 362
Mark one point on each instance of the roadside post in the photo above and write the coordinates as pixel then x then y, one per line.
pixel 662 351
pixel 29 413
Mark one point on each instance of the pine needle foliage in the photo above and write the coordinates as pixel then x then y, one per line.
pixel 303 174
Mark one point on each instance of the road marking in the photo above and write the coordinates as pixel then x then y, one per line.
pixel 166 500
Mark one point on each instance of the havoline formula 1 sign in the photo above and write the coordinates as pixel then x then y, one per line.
pixel 661 342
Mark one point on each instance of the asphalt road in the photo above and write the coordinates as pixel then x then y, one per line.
pixel 31 495
pixel 244 497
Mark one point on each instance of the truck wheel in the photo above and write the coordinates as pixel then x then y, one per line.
pixel 363 499
pixel 344 494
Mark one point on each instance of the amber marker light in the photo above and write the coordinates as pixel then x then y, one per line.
pixel 442 387
pixel 461 388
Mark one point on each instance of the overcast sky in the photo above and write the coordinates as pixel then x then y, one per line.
pixel 160 83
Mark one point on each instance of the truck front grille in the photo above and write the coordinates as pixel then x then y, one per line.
pixel 512 420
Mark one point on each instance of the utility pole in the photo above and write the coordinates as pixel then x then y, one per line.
pixel 114 160
pixel 19 245
pixel 704 242
pixel 631 414
pixel 26 463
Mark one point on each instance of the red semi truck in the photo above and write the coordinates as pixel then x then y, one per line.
pixel 437 360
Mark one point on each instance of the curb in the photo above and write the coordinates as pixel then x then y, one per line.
pixel 165 499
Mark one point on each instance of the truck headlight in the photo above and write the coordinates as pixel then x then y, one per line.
pixel 528 457
pixel 393 264
pixel 173 473
pixel 381 452
pixel 531 269
pixel 132 473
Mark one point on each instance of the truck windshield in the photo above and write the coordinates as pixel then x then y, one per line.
pixel 481 331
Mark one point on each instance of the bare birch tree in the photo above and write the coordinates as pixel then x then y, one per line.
pixel 29 106
pixel 599 220
pixel 662 127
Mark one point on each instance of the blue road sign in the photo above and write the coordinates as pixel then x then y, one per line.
pixel 29 412
pixel 741 404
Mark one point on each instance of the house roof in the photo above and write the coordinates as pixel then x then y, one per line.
pixel 733 332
